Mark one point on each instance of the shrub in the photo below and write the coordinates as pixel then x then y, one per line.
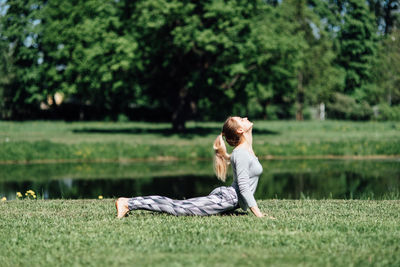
pixel 345 107
pixel 388 113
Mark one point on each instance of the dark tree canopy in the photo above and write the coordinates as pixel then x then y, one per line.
pixel 180 60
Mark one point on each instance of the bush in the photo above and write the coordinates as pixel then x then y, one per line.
pixel 122 118
pixel 255 110
pixel 388 113
pixel 345 107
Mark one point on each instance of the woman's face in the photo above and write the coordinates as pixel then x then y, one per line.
pixel 244 123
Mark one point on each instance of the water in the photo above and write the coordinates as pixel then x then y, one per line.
pixel 281 179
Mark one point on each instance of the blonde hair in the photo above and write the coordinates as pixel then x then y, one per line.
pixel 221 157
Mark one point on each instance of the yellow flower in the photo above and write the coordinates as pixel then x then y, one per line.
pixel 100 197
pixel 3 199
pixel 34 196
pixel 30 192
pixel 19 194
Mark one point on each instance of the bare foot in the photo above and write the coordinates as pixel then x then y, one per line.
pixel 122 207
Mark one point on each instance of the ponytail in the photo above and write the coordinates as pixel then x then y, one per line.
pixel 221 158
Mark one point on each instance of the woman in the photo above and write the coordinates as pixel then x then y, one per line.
pixel 246 171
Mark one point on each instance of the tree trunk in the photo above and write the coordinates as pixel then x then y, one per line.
pixel 388 16
pixel 179 114
pixel 300 98
pixel 178 121
pixel 265 105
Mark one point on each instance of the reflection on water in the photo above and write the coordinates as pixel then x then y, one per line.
pixel 281 179
pixel 175 187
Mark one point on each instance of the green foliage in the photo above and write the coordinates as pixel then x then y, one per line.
pixel 317 77
pixel 220 53
pixel 6 76
pixel 90 54
pixel 187 59
pixel 386 14
pixel 19 35
pixel 388 113
pixel 387 72
pixel 357 46
pixel 345 107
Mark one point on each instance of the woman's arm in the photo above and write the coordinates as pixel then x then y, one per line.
pixel 256 211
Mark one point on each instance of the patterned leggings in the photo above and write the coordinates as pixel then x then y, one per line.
pixel 221 199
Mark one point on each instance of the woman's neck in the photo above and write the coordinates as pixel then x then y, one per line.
pixel 247 142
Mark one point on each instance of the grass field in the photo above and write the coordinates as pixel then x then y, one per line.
pixel 43 141
pixel 306 233
pixel 85 232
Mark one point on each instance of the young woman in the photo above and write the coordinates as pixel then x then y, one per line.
pixel 246 171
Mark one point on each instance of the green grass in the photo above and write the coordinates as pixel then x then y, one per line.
pixel 88 141
pixel 307 233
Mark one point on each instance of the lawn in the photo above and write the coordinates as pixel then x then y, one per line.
pixel 43 141
pixel 306 232
pixel 85 232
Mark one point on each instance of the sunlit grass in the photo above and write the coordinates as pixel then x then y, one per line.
pixel 306 232
pixel 85 141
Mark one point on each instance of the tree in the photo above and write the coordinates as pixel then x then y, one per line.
pixel 88 53
pixel 387 71
pixel 316 72
pixel 19 36
pixel 6 77
pixel 357 48
pixel 277 55
pixel 387 14
pixel 211 55
pixel 188 59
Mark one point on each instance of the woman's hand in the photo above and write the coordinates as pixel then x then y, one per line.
pixel 256 211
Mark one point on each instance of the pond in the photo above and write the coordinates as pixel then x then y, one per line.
pixel 281 179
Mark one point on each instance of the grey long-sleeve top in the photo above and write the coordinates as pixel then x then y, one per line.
pixel 246 172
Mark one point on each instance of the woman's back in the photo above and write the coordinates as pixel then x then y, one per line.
pixel 246 172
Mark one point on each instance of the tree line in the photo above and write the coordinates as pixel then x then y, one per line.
pixel 177 60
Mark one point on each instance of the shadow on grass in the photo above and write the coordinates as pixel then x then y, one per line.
pixel 188 133
pixel 227 213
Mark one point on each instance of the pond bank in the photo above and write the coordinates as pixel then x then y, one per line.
pixel 281 179
pixel 170 158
